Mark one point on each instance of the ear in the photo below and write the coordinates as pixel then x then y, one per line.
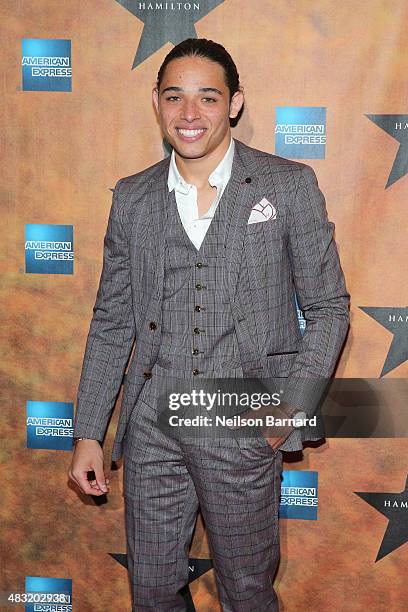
pixel 155 97
pixel 236 103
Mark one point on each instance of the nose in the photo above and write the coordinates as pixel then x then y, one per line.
pixel 189 111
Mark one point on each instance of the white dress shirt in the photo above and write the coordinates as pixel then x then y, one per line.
pixel 186 196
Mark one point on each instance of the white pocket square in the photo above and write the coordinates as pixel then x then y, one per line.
pixel 262 211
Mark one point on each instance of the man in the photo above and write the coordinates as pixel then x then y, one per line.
pixel 203 254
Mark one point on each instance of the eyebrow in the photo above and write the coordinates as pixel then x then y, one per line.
pixel 201 90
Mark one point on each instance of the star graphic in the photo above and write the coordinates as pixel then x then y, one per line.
pixel 397 127
pixel 197 567
pixel 395 507
pixel 166 22
pixel 396 321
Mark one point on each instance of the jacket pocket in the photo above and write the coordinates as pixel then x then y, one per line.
pixel 255 228
pixel 279 364
pixel 282 353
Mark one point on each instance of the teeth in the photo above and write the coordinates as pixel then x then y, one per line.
pixel 190 133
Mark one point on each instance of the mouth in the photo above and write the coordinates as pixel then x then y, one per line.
pixel 190 135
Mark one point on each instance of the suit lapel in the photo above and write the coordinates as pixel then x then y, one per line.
pixel 159 204
pixel 242 191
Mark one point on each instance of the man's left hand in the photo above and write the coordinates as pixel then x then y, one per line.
pixel 275 435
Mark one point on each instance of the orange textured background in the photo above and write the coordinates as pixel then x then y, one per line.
pixel 60 155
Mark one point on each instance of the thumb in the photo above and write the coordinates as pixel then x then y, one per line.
pixel 100 478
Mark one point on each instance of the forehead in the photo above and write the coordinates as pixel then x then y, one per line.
pixel 194 72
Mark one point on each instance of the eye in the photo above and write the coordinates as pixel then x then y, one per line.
pixel 209 99
pixel 173 98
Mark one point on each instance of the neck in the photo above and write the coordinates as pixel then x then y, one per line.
pixel 197 171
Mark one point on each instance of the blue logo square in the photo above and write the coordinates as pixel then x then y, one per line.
pixel 49 249
pixel 50 425
pixel 300 132
pixel 57 594
pixel 299 495
pixel 46 64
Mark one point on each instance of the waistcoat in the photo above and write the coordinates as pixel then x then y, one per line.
pixel 198 332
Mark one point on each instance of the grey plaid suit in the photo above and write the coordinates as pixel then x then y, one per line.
pixel 297 251
pixel 263 264
pixel 167 477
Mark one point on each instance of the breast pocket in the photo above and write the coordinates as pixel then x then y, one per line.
pixel 265 249
pixel 255 228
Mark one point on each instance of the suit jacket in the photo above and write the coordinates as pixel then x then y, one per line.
pixel 299 255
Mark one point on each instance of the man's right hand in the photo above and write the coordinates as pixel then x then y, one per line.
pixel 88 456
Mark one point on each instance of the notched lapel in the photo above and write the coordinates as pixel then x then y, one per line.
pixel 241 196
pixel 159 198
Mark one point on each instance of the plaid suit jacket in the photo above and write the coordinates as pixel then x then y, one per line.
pixel 298 254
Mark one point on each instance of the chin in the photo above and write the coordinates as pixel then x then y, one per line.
pixel 188 151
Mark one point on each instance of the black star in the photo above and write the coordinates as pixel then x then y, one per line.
pixel 396 321
pixel 395 507
pixel 197 567
pixel 173 22
pixel 397 127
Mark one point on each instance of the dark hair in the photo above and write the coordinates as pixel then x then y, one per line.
pixel 208 49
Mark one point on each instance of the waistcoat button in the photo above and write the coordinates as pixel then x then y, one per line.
pixel 147 374
pixel 153 325
pixel 195 372
pixel 196 330
pixel 197 308
pixel 195 351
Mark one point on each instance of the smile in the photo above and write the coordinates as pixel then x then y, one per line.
pixel 190 134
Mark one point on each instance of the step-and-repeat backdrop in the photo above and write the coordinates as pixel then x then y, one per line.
pixel 325 82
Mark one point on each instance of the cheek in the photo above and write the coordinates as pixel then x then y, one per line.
pixel 167 117
pixel 218 116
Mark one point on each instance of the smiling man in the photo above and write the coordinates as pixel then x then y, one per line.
pixel 195 121
pixel 204 252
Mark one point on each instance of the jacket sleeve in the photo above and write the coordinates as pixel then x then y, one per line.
pixel 321 293
pixel 111 334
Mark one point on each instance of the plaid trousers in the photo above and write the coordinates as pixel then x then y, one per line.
pixel 236 485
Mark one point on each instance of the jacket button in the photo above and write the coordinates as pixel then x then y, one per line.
pixel 248 179
pixel 195 372
pixel 147 374
pixel 153 325
pixel 199 264
pixel 199 287
pixel 195 351
pixel 197 308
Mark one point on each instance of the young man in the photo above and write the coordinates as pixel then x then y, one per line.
pixel 203 254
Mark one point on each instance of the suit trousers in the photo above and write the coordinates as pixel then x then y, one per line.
pixel 235 482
